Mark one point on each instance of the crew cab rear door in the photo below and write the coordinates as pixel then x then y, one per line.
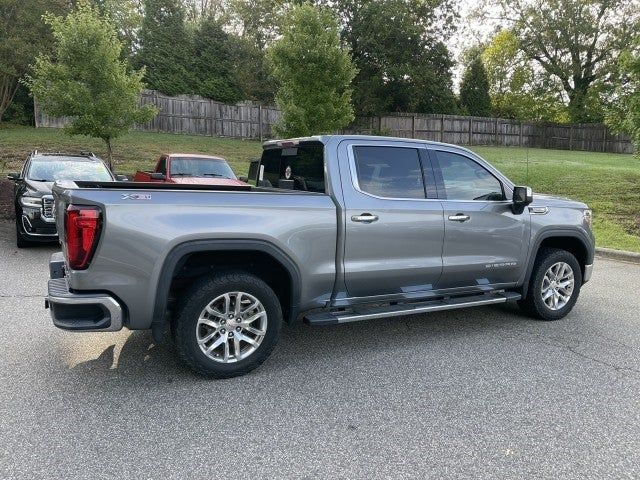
pixel 485 243
pixel 394 222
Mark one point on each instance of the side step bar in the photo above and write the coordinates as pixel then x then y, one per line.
pixel 358 314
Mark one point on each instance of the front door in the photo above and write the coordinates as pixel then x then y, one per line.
pixel 393 232
pixel 485 243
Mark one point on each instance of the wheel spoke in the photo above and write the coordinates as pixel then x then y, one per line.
pixel 219 341
pixel 207 322
pixel 227 303
pixel 236 347
pixel 213 311
pixel 205 339
pixel 226 351
pixel 255 331
pixel 238 305
pixel 249 340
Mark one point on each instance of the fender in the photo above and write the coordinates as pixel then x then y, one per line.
pixel 553 232
pixel 179 253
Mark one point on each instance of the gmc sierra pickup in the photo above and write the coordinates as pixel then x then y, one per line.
pixel 338 229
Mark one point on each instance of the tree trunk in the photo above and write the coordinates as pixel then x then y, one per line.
pixel 578 104
pixel 8 88
pixel 109 153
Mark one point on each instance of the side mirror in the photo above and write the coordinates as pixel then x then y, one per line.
pixel 158 176
pixel 13 176
pixel 122 178
pixel 522 196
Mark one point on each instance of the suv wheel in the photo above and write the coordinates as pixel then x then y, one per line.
pixel 227 325
pixel 554 285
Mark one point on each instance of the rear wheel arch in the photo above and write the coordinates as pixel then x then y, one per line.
pixel 257 257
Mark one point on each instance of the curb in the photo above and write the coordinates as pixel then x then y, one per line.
pixel 632 257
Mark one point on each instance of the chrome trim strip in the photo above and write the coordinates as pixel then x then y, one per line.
pixel 24 227
pixel 588 272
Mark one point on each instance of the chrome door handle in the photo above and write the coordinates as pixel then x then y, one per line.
pixel 364 218
pixel 459 217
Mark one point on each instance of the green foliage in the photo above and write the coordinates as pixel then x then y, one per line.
pixel 23 35
pixel 314 74
pixel 86 79
pixel 575 42
pixel 397 47
pixel 516 90
pixel 474 90
pixel 213 69
pixel 165 48
pixel 624 113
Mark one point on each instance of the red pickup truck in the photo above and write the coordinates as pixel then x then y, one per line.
pixel 187 168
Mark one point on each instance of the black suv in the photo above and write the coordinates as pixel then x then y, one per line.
pixel 35 221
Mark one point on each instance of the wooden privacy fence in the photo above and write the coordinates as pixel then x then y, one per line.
pixel 201 116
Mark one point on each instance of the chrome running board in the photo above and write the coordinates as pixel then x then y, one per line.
pixel 358 314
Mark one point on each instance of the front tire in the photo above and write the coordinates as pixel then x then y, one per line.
pixel 227 325
pixel 554 285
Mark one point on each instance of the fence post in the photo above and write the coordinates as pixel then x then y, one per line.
pixel 520 139
pixel 380 125
pixel 260 122
pixel 413 126
pixel 470 131
pixel 495 132
pixel 571 137
pixel 442 128
pixel 604 139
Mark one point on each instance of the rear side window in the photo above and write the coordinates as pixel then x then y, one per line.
pixel 300 167
pixel 392 172
pixel 465 179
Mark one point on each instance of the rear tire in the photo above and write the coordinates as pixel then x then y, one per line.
pixel 554 285
pixel 213 329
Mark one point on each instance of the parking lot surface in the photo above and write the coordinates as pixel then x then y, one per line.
pixel 478 393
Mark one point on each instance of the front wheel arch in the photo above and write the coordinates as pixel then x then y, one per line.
pixel 572 241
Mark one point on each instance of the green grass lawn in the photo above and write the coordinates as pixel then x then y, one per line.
pixel 608 183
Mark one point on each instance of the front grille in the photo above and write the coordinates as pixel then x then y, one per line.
pixel 47 206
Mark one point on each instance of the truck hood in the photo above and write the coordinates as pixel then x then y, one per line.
pixel 551 201
pixel 206 181
pixel 42 188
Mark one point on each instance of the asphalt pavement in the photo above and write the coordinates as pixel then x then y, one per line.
pixel 478 393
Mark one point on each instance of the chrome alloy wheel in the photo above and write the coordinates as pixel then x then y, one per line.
pixel 231 327
pixel 557 285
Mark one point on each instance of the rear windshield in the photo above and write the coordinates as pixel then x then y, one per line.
pixel 64 168
pixel 200 167
pixel 294 168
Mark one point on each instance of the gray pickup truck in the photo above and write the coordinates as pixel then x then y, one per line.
pixel 336 229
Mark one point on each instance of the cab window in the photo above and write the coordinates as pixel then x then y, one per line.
pixel 391 172
pixel 465 179
pixel 299 167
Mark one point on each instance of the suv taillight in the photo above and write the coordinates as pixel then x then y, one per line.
pixel 82 224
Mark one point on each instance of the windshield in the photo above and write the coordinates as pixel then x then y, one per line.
pixel 50 170
pixel 200 167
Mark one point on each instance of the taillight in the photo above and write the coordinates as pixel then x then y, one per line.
pixel 82 224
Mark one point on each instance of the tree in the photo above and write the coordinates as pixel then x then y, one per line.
pixel 624 113
pixel 22 36
pixel 87 80
pixel 165 48
pixel 474 90
pixel 576 42
pixel 397 47
pixel 314 74
pixel 516 89
pixel 213 69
